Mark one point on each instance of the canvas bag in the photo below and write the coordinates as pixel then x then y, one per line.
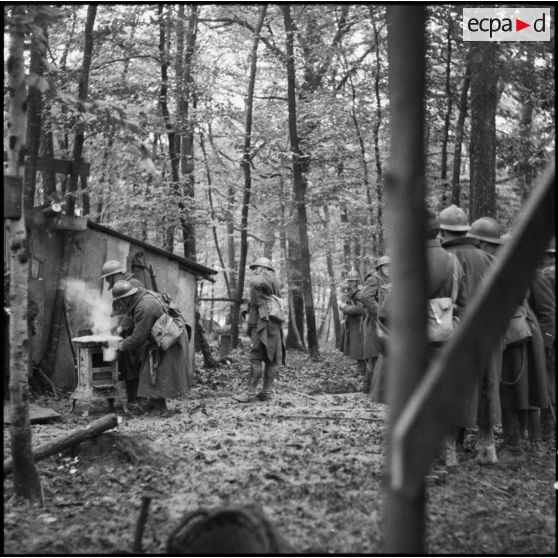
pixel 440 321
pixel 275 308
pixel 169 326
pixel 518 329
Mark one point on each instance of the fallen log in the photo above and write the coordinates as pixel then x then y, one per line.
pixel 93 429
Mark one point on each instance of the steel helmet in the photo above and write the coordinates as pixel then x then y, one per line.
pixel 122 289
pixel 353 276
pixel 551 248
pixel 453 218
pixel 111 267
pixel 262 262
pixel 487 229
pixel 384 260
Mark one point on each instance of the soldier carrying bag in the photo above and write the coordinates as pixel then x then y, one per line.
pixel 440 321
pixel 274 307
pixel 169 326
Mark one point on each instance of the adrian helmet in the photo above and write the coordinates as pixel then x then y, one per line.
pixel 123 289
pixel 487 229
pixel 453 218
pixel 551 248
pixel 111 267
pixel 353 276
pixel 384 260
pixel 262 262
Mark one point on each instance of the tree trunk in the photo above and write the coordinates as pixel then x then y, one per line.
pixel 449 96
pixel 26 480
pixel 295 331
pixel 332 282
pixel 484 99
pixel 187 141
pixel 300 163
pixel 456 174
pixel 376 139
pixel 82 95
pixel 405 220
pixel 246 167
pixel 525 168
pixel 171 131
pixel 213 218
pixel 35 107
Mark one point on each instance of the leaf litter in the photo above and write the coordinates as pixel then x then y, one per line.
pixel 313 458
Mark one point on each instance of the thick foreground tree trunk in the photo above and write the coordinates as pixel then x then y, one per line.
pixel 26 480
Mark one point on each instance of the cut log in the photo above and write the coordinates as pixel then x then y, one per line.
pixel 94 429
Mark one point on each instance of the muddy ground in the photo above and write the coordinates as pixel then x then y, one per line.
pixel 312 458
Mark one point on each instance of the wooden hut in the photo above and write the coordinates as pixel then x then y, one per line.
pixel 57 255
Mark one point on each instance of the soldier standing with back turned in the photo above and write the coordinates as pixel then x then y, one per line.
pixel 268 346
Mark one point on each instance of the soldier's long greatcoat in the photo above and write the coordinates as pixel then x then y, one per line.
pixel 263 330
pixel 174 363
pixel 368 296
pixel 483 407
pixel 352 342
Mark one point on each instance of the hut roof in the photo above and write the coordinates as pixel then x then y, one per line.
pixel 190 265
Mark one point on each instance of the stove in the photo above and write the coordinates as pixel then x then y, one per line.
pixel 97 372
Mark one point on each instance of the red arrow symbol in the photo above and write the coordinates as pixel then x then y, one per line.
pixel 519 25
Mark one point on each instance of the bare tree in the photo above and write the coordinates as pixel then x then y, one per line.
pixel 26 480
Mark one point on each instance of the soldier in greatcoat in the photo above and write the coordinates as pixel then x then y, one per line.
pixel 163 374
pixel 128 362
pixel 482 408
pixel 268 346
pixel 523 374
pixel 369 296
pixel 353 310
pixel 548 415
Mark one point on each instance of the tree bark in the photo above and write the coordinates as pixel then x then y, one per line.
pixel 484 99
pixel 26 480
pixel 405 221
pixel 171 130
pixel 35 107
pixel 376 139
pixel 332 282
pixel 449 96
pixel 83 87
pixel 187 135
pixel 213 218
pixel 69 441
pixel 246 167
pixel 460 126
pixel 525 168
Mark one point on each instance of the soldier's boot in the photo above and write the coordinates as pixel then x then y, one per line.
pixel 534 428
pixel 253 380
pixel 487 446
pixel 548 427
pixel 511 451
pixel 368 374
pixel 270 371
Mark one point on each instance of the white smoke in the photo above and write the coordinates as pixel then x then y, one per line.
pixel 86 302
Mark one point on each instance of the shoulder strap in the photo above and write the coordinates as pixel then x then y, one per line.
pixel 455 279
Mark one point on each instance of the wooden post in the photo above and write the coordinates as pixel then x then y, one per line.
pixel 405 232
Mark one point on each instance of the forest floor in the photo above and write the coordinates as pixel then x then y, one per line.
pixel 312 458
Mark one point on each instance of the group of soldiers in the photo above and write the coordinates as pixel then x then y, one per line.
pixel 517 388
